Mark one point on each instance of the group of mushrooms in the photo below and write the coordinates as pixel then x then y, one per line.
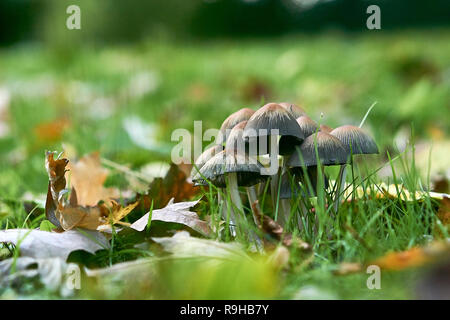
pixel 281 133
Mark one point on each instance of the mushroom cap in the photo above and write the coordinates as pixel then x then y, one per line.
pixel 330 149
pixel 307 125
pixel 354 137
pixel 248 169
pixel 325 128
pixel 204 157
pixel 233 119
pixel 272 116
pixel 235 140
pixel 296 110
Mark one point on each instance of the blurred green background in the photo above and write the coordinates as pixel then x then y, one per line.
pixel 137 70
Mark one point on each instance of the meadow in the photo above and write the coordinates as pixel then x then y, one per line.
pixel 125 101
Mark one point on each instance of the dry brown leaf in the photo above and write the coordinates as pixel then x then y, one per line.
pixel 396 261
pixel 346 268
pixel 444 212
pixel 87 176
pixel 174 185
pixel 273 228
pixel 83 217
pixel 92 217
pixel 70 214
pixel 413 257
pixel 52 131
pixel 118 212
pixel 56 170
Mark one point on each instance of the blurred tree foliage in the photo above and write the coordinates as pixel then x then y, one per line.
pixel 105 21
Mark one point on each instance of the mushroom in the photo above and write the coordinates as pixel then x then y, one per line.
pixel 286 194
pixel 199 163
pixel 357 142
pixel 204 157
pixel 331 151
pixel 231 169
pixel 325 128
pixel 307 125
pixel 236 143
pixel 233 119
pixel 270 117
pixel 296 110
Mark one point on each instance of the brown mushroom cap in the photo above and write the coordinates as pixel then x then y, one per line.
pixel 233 119
pixel 248 170
pixel 307 125
pixel 204 157
pixel 296 110
pixel 273 116
pixel 354 137
pixel 325 128
pixel 330 149
pixel 235 140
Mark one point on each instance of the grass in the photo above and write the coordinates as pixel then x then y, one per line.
pixel 80 101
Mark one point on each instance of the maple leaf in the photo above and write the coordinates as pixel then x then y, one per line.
pixel 70 214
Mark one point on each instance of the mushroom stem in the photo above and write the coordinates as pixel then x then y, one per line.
pixel 302 210
pixel 230 218
pixel 231 179
pixel 274 192
pixel 286 208
pixel 340 184
pixel 253 198
pixel 285 203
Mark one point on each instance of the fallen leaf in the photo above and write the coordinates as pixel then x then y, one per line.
pixel 118 212
pixel 400 260
pixel 56 170
pixel 183 245
pixel 383 190
pixel 444 212
pixel 70 214
pixel 346 268
pixel 83 217
pixel 273 228
pixel 176 213
pixel 174 185
pixel 51 272
pixel 414 257
pixel 42 244
pixel 48 132
pixel 88 176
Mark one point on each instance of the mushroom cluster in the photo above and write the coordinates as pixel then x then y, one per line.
pixel 284 137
